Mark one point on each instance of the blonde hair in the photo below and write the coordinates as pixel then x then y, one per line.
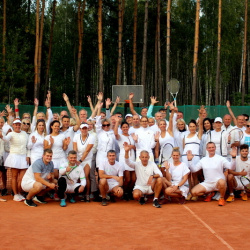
pixel 176 149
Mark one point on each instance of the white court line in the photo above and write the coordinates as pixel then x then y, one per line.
pixel 208 227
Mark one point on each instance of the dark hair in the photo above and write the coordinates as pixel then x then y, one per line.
pixel 111 151
pixel 72 152
pixel 119 113
pixel 65 116
pixel 210 143
pixel 192 121
pixel 48 150
pixel 244 146
pixel 51 124
pixel 162 110
pixel 124 123
pixel 211 124
pixel 247 116
pixel 144 117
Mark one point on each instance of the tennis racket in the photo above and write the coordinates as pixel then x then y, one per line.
pixel 166 152
pixel 235 135
pixel 173 87
pixel 246 183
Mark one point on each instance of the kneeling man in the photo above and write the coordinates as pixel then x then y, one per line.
pixel 235 179
pixel 111 177
pixel 69 174
pixel 148 177
pixel 213 167
pixel 39 179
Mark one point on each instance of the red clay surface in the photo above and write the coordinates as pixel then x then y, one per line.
pixel 124 225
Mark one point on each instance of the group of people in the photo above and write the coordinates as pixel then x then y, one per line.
pixel 106 155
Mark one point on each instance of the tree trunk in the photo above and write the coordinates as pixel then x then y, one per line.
pixel 36 51
pixel 80 15
pixel 39 61
pixel 134 43
pixel 156 65
pixel 244 56
pixel 144 53
pixel 217 85
pixel 100 46
pixel 196 47
pixel 120 29
pixel 50 48
pixel 4 36
pixel 168 47
pixel 159 51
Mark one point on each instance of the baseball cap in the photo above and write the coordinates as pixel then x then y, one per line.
pixel 218 119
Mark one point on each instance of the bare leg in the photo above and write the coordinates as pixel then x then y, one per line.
pixel 37 187
pixel 231 183
pixel 14 176
pixel 157 186
pixel 21 174
pixel 103 186
pixel 87 172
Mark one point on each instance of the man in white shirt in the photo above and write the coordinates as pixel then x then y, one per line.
pixel 234 179
pixel 111 177
pixel 213 166
pixel 70 173
pixel 148 177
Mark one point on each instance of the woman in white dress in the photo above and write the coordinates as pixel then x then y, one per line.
pixel 165 136
pixel 17 158
pixel 36 141
pixel 83 144
pixel 192 142
pixel 129 173
pixel 59 144
pixel 177 173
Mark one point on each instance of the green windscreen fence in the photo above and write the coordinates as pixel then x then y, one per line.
pixel 190 111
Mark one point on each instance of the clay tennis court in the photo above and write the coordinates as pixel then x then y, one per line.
pixel 125 225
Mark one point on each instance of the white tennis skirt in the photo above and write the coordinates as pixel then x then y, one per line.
pixel 16 161
pixel 58 162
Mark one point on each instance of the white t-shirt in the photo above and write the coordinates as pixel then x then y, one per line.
pixel 82 145
pixel 240 165
pixel 213 167
pixel 69 133
pixel 143 173
pixel 116 169
pixel 177 172
pixel 57 147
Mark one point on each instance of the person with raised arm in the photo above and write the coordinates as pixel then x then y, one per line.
pixel 66 129
pixel 106 137
pixel 144 110
pixel 129 173
pixel 234 177
pixel 148 177
pixel 192 141
pixel 213 167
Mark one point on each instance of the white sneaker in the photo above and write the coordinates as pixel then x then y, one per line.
pixel 216 196
pixel 21 197
pixel 17 198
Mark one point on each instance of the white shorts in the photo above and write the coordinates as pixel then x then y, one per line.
pixel 58 162
pixel 28 184
pixel 210 186
pixel 71 188
pixel 239 184
pixel 144 189
pixel 184 190
pixel 112 185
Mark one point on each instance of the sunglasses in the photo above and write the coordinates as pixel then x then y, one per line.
pixel 106 125
pixel 24 123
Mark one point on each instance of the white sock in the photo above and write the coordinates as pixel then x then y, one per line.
pixel 232 194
